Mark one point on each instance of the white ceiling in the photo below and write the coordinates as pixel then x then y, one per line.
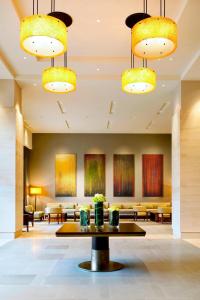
pixel 99 52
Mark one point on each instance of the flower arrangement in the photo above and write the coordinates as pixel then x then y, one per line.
pixel 113 208
pixel 99 198
pixel 84 208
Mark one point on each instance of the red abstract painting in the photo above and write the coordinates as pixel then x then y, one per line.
pixel 152 172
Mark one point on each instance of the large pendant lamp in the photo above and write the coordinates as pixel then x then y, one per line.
pixel 154 37
pixel 138 80
pixel 44 35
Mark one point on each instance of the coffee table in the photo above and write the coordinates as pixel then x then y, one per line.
pixel 100 254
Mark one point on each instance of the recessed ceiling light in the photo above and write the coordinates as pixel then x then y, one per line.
pixel 98 69
pixel 98 20
pixel 163 85
pixel 25 57
pixel 171 58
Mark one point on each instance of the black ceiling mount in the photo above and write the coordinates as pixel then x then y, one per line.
pixel 67 19
pixel 135 18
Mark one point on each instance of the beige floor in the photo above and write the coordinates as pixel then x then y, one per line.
pixel 40 266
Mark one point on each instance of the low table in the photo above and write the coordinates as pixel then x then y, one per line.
pixel 100 256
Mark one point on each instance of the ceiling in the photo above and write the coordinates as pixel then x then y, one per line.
pixel 99 50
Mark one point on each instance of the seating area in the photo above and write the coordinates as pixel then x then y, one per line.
pixel 133 210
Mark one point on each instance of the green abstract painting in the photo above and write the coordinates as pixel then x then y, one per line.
pixel 94 165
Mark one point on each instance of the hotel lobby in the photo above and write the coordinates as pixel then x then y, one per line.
pixel 99 128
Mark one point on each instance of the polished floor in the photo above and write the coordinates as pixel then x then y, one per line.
pixel 44 267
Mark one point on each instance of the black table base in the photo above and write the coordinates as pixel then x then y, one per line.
pixel 100 257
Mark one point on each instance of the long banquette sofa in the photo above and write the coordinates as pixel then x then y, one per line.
pixel 126 209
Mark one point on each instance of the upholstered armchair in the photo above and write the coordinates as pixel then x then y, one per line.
pixel 140 212
pixel 164 214
pixel 37 215
pixel 54 213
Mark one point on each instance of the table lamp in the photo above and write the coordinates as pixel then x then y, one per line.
pixel 35 191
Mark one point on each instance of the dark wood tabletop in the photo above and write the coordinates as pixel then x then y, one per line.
pixel 125 229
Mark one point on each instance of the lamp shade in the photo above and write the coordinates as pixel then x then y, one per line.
pixel 154 37
pixel 138 80
pixel 59 80
pixel 35 190
pixel 43 36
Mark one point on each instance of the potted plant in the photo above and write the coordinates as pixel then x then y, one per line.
pixel 114 216
pixel 84 216
pixel 98 200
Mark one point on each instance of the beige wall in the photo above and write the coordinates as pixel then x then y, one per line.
pixel 46 146
pixel 190 157
pixel 11 158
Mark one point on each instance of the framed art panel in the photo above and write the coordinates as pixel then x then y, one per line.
pixel 124 175
pixel 65 175
pixel 152 169
pixel 94 167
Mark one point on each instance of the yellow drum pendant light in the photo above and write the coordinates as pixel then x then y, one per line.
pixel 138 80
pixel 43 36
pixel 154 37
pixel 60 80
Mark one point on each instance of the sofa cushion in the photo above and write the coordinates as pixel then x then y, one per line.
pixel 140 209
pixel 147 205
pixel 118 205
pixel 53 204
pixel 69 211
pixel 127 205
pixel 164 210
pixel 29 209
pixel 68 205
pixel 141 214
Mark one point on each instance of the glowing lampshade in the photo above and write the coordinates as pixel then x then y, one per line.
pixel 35 190
pixel 154 37
pixel 138 80
pixel 43 36
pixel 59 80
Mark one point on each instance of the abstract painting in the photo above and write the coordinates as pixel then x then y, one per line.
pixel 152 169
pixel 124 175
pixel 66 175
pixel 94 165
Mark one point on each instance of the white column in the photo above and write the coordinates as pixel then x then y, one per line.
pixel 176 167
pixel 11 160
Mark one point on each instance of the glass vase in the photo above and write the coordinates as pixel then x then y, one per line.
pixel 114 218
pixel 84 218
pixel 98 214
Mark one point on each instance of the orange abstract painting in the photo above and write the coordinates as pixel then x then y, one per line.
pixel 65 175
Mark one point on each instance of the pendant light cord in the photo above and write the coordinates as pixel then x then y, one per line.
pixel 52 5
pixel 145 6
pixel 52 10
pixel 37 7
pixel 162 8
pixel 65 59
